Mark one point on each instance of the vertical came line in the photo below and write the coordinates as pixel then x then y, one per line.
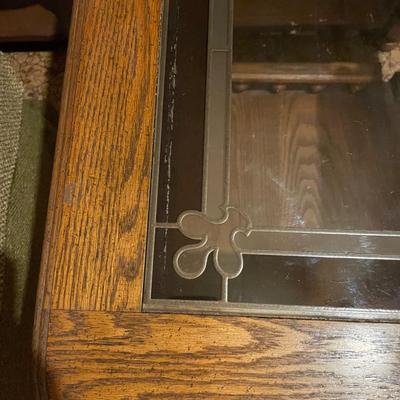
pixel 217 124
pixel 215 171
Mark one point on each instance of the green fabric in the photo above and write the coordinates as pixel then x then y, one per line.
pixel 24 236
pixel 29 199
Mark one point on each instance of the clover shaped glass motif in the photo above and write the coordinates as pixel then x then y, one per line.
pixel 217 237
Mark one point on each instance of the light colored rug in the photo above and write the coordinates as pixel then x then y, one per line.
pixel 11 98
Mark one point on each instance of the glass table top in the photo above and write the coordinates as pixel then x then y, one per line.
pixel 276 173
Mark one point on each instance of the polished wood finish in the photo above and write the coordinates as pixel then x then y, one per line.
pixel 98 346
pixel 100 355
pixel 101 180
pixel 93 254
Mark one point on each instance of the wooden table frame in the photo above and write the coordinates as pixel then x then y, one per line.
pixel 91 339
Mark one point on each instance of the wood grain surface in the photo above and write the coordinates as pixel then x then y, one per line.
pixel 93 252
pixel 100 355
pixel 104 153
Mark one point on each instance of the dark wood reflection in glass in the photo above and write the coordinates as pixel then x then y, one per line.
pixel 328 160
pixel 315 129
pixel 318 282
pixel 279 150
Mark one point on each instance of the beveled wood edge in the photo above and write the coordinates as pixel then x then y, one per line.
pixel 43 297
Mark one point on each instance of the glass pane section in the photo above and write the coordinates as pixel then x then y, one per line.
pixel 276 187
pixel 315 139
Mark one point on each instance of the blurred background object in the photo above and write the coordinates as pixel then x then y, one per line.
pixel 29 20
pixel 33 46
